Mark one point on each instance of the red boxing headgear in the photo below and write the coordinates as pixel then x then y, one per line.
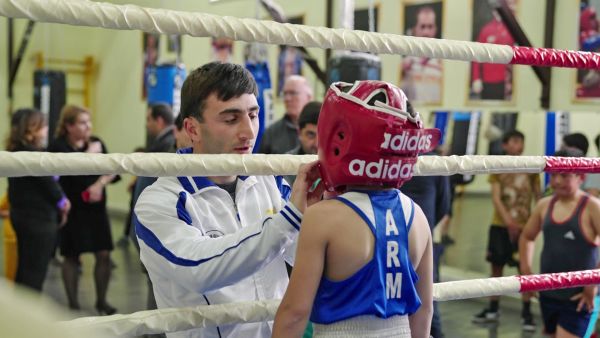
pixel 368 137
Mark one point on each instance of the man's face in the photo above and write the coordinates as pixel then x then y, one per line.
pixel 152 125
pixel 228 127
pixel 425 26
pixel 295 96
pixel 514 146
pixel 308 138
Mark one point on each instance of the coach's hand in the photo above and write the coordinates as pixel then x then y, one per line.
pixel 308 187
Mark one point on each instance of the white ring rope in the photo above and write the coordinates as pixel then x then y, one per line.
pixel 131 17
pixel 179 319
pixel 13 164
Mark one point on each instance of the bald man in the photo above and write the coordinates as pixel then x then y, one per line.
pixel 282 136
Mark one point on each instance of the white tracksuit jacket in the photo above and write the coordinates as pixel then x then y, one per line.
pixel 200 247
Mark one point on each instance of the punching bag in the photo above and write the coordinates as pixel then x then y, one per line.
pixel 49 95
pixel 164 85
pixel 464 139
pixel 260 71
pixel 353 66
pixel 441 123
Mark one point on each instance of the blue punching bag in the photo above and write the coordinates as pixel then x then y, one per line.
pixel 164 85
pixel 441 123
pixel 260 71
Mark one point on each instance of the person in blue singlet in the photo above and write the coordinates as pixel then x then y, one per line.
pixel 364 260
pixel 570 222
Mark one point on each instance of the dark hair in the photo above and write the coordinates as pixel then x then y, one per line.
pixel 512 134
pixel 179 121
pixel 597 141
pixel 23 121
pixel 162 110
pixel 309 114
pixel 226 80
pixel 569 152
pixel 576 140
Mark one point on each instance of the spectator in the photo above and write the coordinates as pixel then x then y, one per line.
pixel 282 136
pixel 307 133
pixel 592 181
pixel 512 196
pixel 37 204
pixel 569 221
pixel 159 126
pixel 88 226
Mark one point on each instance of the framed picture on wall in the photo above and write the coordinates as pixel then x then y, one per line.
pixel 587 83
pixel 174 44
pixel 151 53
pixel 221 49
pixel 490 81
pixel 422 78
pixel 362 21
pixel 290 59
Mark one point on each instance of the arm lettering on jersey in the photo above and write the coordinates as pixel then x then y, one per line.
pixel 393 280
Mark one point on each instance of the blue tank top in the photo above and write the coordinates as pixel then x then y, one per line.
pixel 566 248
pixel 385 286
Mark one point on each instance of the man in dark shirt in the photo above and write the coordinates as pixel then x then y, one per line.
pixel 282 136
pixel 159 126
pixel 307 134
pixel 432 194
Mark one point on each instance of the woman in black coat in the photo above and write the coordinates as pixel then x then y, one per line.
pixel 88 226
pixel 37 204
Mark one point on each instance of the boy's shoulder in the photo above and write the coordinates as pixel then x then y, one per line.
pixel 593 202
pixel 544 201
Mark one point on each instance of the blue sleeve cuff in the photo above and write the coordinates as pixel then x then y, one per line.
pixel 62 202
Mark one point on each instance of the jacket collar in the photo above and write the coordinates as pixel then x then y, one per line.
pixel 197 184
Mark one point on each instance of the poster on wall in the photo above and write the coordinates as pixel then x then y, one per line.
pixel 421 78
pixel 289 61
pixel 174 44
pixel 490 81
pixel 588 80
pixel 151 50
pixel 222 49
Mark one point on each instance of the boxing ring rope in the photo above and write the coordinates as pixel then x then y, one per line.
pixel 173 319
pixel 129 17
pixel 151 20
pixel 13 164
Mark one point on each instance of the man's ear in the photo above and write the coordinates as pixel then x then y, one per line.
pixel 192 128
pixel 160 121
